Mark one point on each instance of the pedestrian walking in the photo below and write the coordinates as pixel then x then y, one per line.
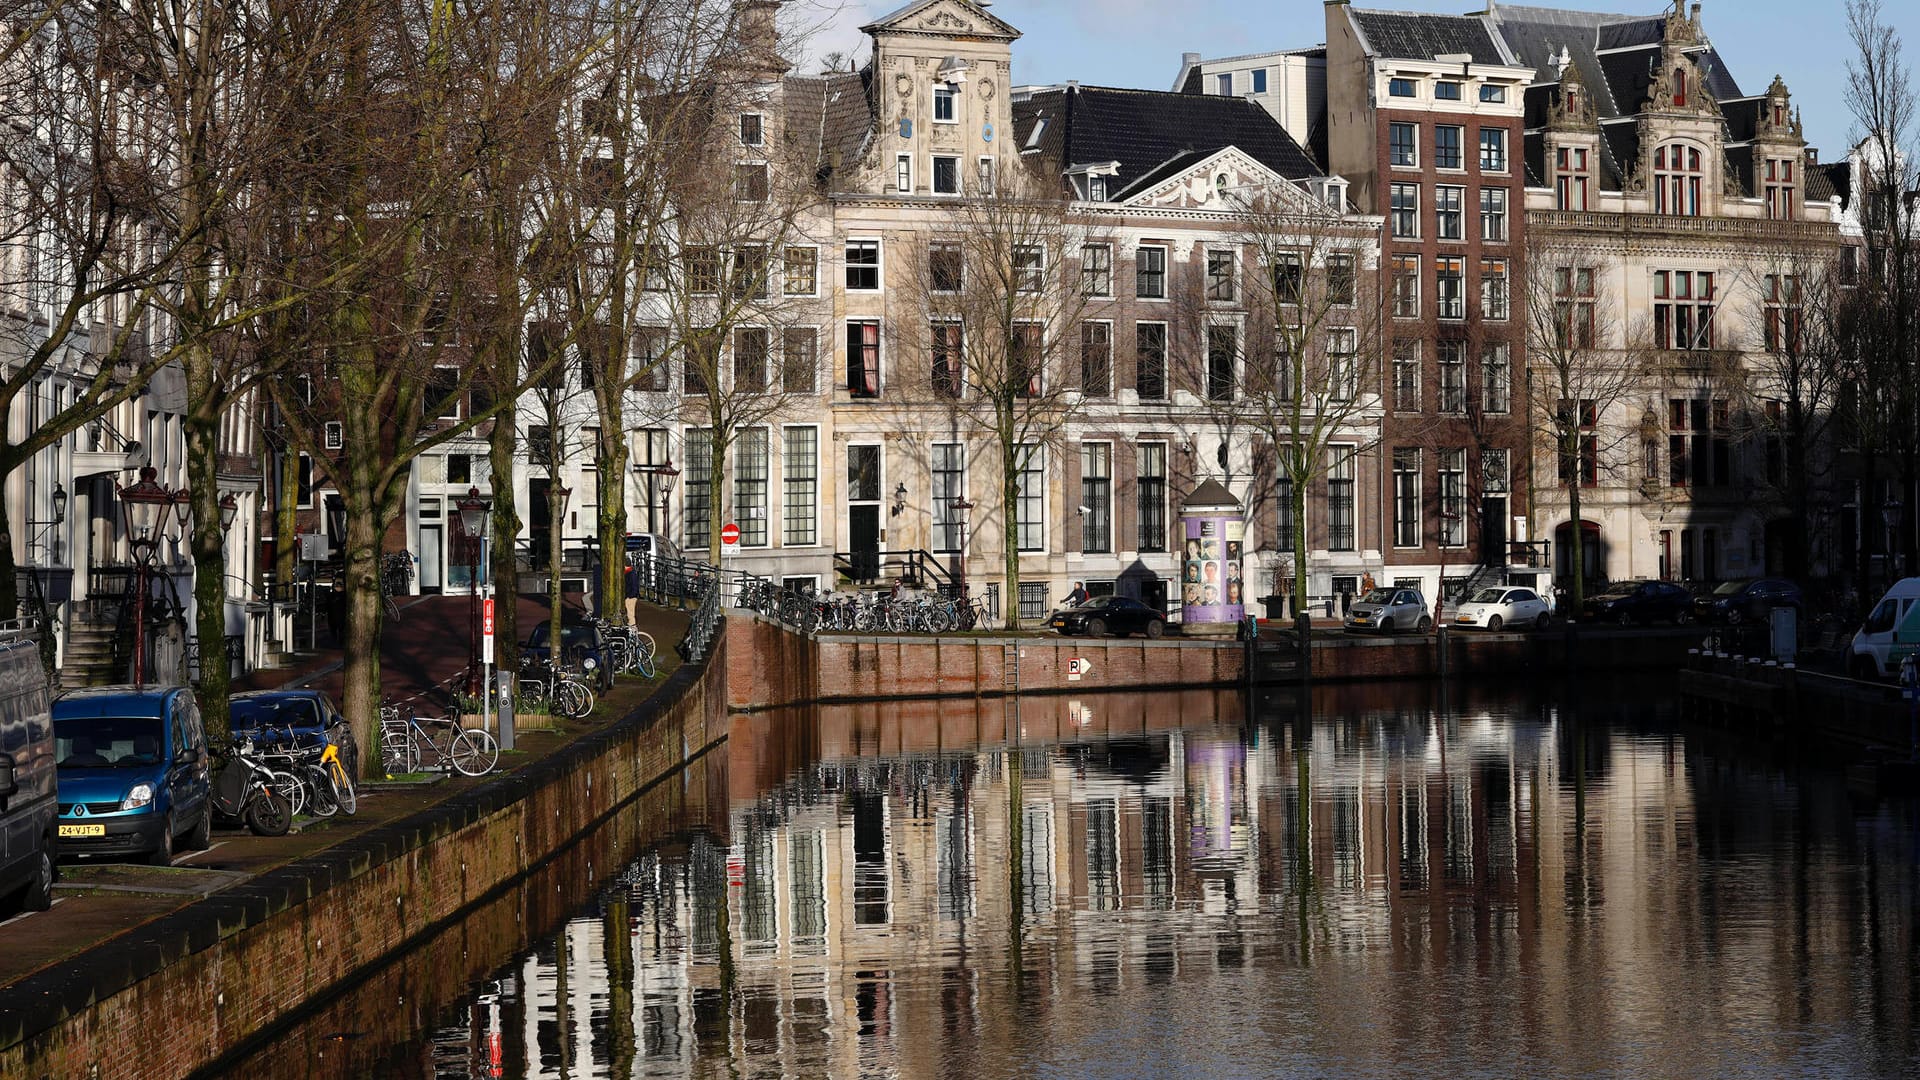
pixel 632 590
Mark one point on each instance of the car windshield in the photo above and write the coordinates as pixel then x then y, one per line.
pixel 253 714
pixel 1378 596
pixel 1099 602
pixel 1489 596
pixel 571 634
pixel 107 742
pixel 1729 588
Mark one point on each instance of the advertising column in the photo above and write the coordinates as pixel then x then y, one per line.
pixel 1212 587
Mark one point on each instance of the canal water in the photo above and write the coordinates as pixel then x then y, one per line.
pixel 1387 882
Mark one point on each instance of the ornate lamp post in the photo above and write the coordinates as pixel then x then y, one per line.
pixel 961 507
pixel 473 529
pixel 144 506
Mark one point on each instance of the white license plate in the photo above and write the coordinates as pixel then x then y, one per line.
pixel 83 830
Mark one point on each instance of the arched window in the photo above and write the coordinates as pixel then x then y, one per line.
pixel 1679 87
pixel 1676 180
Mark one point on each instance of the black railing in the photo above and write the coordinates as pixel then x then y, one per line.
pixel 914 568
pixel 1532 554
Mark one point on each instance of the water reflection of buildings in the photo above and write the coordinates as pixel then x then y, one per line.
pixel 937 883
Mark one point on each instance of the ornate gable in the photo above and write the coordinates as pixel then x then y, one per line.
pixel 1572 108
pixel 943 18
pixel 1207 184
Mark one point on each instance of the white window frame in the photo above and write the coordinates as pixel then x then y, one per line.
pixel 939 521
pixel 788 249
pixel 335 435
pixel 1164 272
pixel 1036 466
pixel 903 173
pixel 1457 213
pixel 879 263
pixel 933 175
pixel 949 92
pixel 1084 249
pixel 984 174
pixel 1109 444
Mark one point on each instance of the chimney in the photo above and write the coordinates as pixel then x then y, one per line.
pixel 1696 13
pixel 1190 58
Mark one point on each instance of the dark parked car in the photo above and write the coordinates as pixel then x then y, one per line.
pixel 269 715
pixel 581 644
pixel 1109 615
pixel 1746 600
pixel 1629 602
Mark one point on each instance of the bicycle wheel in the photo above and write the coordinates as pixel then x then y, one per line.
pixel 293 786
pixel 474 752
pixel 321 798
pixel 398 755
pixel 574 700
pixel 643 665
pixel 344 795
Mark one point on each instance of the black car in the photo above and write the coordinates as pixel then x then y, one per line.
pixel 1629 602
pixel 582 649
pixel 1109 615
pixel 1746 600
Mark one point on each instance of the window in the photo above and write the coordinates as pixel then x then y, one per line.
pixel 949 358
pixel 1494 290
pixel 799 358
pixel 1582 428
pixel 1493 215
pixel 1406 496
pixel 1259 80
pixel 903 173
pixel 304 483
pixel 1031 498
pixel 863 473
pixel 1446 91
pixel 986 176
pixel 1449 212
pixel 1401 88
pixel 1150 360
pixel 1283 538
pixel 460 468
pixel 1782 304
pixel 946 175
pixel 443 391
pixel 1340 523
pixel 1096 359
pixel 1026 355
pixel 1220 275
pixel 1493 149
pixel 1453 498
pixel 649 345
pixel 1570 178
pixel 1683 304
pixel 1223 84
pixel 752 129
pixel 1096 270
pixel 949 487
pixel 800 271
pixel 335 435
pixel 863 265
pixel 1289 279
pixel 863 358
pixel 1342 359
pixel 1152 493
pixel 750 477
pixel 697 488
pixel 1406 286
pixel 1029 268
pixel 1446 146
pixel 1493 95
pixel 1406 376
pixel 1452 361
pixel 1404 211
pixel 1699 449
pixel 1223 343
pixel 1341 282
pixel 656 271
pixel 749 273
pixel 1448 287
pixel 1493 472
pixel 750 349
pixel 750 181
pixel 1676 180
pixel 1150 273
pixel 1573 304
pixel 1779 188
pixel 703 270
pixel 947 267
pixel 1496 378
pixel 946 103
pixel 1033 605
pixel 1097 188
pixel 1096 497
pixel 1403 145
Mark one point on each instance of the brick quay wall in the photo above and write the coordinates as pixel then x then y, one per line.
pixel 770 666
pixel 195 986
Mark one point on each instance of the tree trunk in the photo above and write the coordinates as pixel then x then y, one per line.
pixel 9 570
pixel 1010 527
pixel 202 430
pixel 504 557
pixel 1299 498
pixel 717 492
pixel 611 485
pixel 1576 558
pixel 555 602
pixel 360 693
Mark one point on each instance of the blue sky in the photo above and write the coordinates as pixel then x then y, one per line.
pixel 1138 42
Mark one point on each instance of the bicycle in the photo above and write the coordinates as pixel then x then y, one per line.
pixel 564 692
pixel 396 576
pixel 404 743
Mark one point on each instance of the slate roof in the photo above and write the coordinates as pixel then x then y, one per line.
pixel 1152 132
pixel 829 114
pixel 1411 36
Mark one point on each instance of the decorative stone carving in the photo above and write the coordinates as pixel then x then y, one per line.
pixel 903 84
pixel 986 89
pixel 946 20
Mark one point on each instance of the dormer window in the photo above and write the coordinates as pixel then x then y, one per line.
pixel 1676 181
pixel 1779 114
pixel 946 104
pixel 1571 178
pixel 1779 188
pixel 1493 95
pixel 1097 188
pixel 1446 91
pixel 1401 88
pixel 1679 87
pixel 752 132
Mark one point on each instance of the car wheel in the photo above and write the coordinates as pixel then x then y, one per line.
pixel 1494 623
pixel 1862 667
pixel 1543 622
pixel 1682 617
pixel 201 838
pixel 1155 628
pixel 39 894
pixel 1096 628
pixel 1386 626
pixel 1425 624
pixel 1624 618
pixel 162 855
pixel 1734 618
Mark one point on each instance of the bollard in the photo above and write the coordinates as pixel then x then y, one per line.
pixel 506 710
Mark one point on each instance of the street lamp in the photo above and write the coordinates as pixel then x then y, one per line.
pixel 665 475
pixel 899 499
pixel 229 510
pixel 473 528
pixel 960 508
pixel 144 505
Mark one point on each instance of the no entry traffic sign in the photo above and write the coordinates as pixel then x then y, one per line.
pixel 730 536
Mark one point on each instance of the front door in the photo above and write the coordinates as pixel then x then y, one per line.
pixel 432 577
pixel 863 541
pixel 1493 530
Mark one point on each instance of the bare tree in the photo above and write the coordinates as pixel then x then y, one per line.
pixel 1584 364
pixel 990 316
pixel 1311 364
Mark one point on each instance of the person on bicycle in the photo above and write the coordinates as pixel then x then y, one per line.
pixel 1077 597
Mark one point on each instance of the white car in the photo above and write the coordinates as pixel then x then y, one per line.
pixel 1503 607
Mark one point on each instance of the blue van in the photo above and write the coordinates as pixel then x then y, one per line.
pixel 132 772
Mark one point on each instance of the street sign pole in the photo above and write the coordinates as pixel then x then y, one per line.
pixel 486 655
